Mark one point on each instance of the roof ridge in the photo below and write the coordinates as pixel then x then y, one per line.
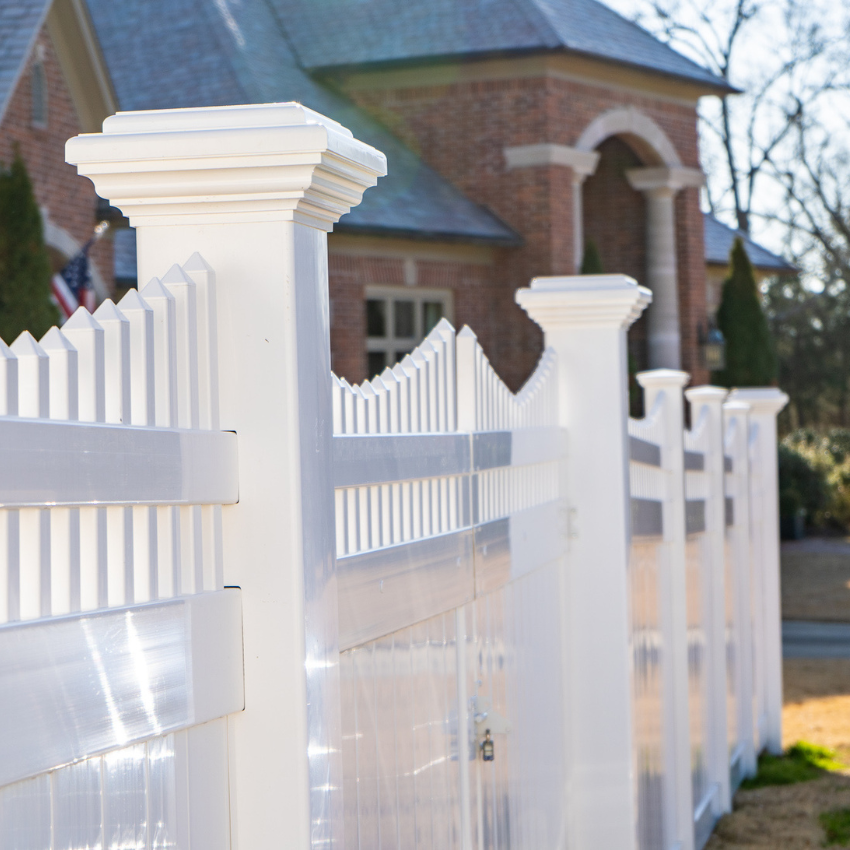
pixel 543 4
pixel 551 34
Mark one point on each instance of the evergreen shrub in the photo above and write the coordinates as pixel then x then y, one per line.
pixel 750 355
pixel 24 262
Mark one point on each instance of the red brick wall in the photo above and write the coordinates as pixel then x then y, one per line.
pixel 461 130
pixel 69 198
pixel 470 284
pixel 614 216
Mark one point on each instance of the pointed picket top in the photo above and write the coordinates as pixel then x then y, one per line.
pixel 64 375
pixel 108 312
pixel 81 320
pixel 155 289
pixel 33 377
pixel 26 346
pixel 176 275
pixel 133 301
pixel 55 340
pixel 466 332
pixel 196 263
pixel 6 353
pixel 8 381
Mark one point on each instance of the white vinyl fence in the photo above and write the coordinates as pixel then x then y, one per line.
pixel 310 644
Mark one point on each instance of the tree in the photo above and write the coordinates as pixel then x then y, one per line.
pixel 787 59
pixel 24 262
pixel 750 358
pixel 591 262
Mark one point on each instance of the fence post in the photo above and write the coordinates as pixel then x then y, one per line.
pixel 765 404
pixel 585 320
pixel 674 596
pixel 710 400
pixel 254 190
pixel 736 418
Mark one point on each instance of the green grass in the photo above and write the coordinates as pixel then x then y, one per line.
pixel 800 763
pixel 836 825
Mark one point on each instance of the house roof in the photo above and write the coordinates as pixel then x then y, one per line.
pixel 719 240
pixel 20 23
pixel 76 50
pixel 177 53
pixel 338 33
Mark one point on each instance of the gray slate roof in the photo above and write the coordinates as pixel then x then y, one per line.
pixel 176 53
pixel 20 22
pixel 338 33
pixel 718 244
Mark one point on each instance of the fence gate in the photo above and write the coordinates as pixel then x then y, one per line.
pixel 449 547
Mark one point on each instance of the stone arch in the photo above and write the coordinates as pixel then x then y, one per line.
pixel 638 130
pixel 61 242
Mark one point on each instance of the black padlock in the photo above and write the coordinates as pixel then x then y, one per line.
pixel 487 747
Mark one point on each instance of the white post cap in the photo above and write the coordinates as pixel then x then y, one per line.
pixel 761 399
pixel 658 378
pixel 261 162
pixel 706 394
pixel 603 300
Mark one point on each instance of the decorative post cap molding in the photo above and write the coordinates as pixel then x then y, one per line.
pixel 706 394
pixel 276 161
pixel 760 399
pixel 672 178
pixel 657 378
pixel 736 408
pixel 582 163
pixel 580 301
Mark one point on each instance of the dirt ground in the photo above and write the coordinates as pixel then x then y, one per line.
pixel 815 586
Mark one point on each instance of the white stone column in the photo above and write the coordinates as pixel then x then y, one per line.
pixel 255 189
pixel 585 320
pixel 765 404
pixel 660 186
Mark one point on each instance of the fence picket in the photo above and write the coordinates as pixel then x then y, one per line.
pixel 168 546
pixel 87 336
pixel 33 567
pixel 64 522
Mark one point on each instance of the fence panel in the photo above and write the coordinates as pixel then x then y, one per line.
pixel 119 639
pixel 447 527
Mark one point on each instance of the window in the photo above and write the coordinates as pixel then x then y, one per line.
pixel 38 86
pixel 398 319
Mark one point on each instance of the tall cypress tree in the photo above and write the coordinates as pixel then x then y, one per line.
pixel 750 355
pixel 24 262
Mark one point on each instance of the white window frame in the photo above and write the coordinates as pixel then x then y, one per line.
pixel 391 344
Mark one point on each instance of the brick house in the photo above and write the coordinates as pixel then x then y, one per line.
pixel 54 85
pixel 514 131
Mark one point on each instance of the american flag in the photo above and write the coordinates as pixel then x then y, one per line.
pixel 72 287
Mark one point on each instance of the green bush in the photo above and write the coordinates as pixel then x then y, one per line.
pixel 802 487
pixel 24 262
pixel 800 763
pixel 836 826
pixel 750 354
pixel 814 475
